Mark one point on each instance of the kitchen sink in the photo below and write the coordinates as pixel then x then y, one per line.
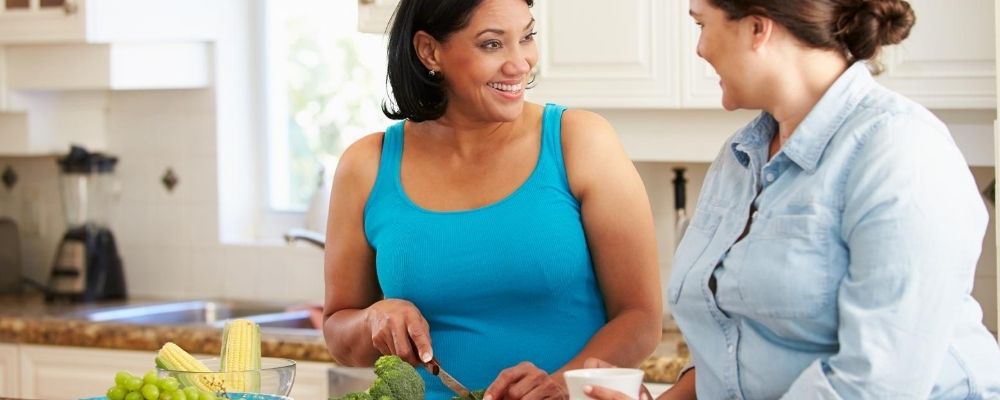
pixel 274 318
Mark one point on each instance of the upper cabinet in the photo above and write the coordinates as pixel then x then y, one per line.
pixel 642 54
pixel 949 60
pixel 106 21
pixel 593 55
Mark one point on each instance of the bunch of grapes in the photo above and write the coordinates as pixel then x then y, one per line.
pixel 153 387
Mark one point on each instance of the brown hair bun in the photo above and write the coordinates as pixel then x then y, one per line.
pixel 867 25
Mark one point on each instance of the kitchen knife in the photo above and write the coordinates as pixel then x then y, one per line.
pixel 435 369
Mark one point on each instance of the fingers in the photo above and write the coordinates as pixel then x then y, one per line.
pixel 524 381
pixel 419 334
pixel 398 328
pixel 603 393
pixel 597 363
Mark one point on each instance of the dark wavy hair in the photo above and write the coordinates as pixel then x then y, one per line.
pixel 417 96
pixel 858 27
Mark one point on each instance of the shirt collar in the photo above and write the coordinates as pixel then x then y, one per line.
pixel 807 143
pixel 810 139
pixel 754 137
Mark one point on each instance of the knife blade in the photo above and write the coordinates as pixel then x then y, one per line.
pixel 435 369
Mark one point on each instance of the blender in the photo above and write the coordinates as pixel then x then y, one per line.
pixel 87 266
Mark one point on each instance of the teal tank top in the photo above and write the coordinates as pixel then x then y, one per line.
pixel 508 282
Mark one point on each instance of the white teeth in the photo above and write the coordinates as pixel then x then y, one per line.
pixel 505 87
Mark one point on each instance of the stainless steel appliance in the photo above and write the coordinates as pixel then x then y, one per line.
pixel 87 266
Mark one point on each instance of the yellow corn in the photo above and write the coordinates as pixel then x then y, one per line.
pixel 241 356
pixel 173 357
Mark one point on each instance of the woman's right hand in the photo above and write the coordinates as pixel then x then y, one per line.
pixel 398 328
pixel 603 393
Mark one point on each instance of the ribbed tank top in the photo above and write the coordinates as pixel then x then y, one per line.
pixel 508 282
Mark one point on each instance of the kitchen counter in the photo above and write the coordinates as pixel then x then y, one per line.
pixel 29 319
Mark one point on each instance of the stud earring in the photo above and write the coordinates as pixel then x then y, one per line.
pixel 432 73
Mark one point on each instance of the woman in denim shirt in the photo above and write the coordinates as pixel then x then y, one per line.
pixel 835 241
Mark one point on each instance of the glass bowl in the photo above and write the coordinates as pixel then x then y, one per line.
pixel 275 377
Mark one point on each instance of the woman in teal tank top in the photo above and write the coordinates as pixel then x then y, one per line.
pixel 507 240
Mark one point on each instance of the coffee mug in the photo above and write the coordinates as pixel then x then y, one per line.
pixel 625 380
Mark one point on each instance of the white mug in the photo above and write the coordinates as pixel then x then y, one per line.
pixel 625 380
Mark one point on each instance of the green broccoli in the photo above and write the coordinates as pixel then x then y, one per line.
pixel 476 394
pixel 394 380
pixel 356 396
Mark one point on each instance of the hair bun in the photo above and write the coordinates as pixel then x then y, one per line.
pixel 865 26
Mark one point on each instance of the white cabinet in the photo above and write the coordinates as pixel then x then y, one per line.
pixel 641 54
pixel 105 21
pixel 949 60
pixel 113 66
pixel 593 55
pixel 310 380
pixel 55 372
pixel 9 362
pixel 374 15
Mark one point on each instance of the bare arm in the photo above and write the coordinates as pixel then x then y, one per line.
pixel 619 226
pixel 359 325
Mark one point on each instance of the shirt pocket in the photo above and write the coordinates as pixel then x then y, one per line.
pixel 786 272
pixel 696 240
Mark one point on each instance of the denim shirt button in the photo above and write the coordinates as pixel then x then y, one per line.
pixel 730 349
pixel 770 177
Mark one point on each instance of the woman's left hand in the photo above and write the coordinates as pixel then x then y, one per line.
pixel 525 381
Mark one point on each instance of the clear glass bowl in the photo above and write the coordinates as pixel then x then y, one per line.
pixel 275 377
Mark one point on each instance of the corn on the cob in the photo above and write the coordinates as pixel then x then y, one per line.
pixel 241 356
pixel 173 357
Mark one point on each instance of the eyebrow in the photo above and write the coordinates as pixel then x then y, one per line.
pixel 501 31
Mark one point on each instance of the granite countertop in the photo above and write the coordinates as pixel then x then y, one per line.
pixel 30 320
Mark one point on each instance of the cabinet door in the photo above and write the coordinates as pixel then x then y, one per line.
pixel 310 380
pixel 699 82
pixel 374 15
pixel 9 370
pixel 55 372
pixel 949 59
pixel 595 55
pixel 36 21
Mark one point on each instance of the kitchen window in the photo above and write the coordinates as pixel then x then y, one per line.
pixel 325 87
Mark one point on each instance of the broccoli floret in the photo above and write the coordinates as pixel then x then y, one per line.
pixel 476 394
pixel 395 379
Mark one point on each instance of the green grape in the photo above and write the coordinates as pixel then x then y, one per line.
pixel 166 396
pixel 133 383
pixel 150 378
pixel 206 396
pixel 168 384
pixel 150 391
pixel 116 393
pixel 121 377
pixel 179 395
pixel 191 392
pixel 133 396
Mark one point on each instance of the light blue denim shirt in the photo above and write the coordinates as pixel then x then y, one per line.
pixel 854 279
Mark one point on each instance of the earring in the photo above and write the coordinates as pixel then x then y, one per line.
pixel 432 73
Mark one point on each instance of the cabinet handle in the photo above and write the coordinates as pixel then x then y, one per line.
pixel 70 7
pixel 366 2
